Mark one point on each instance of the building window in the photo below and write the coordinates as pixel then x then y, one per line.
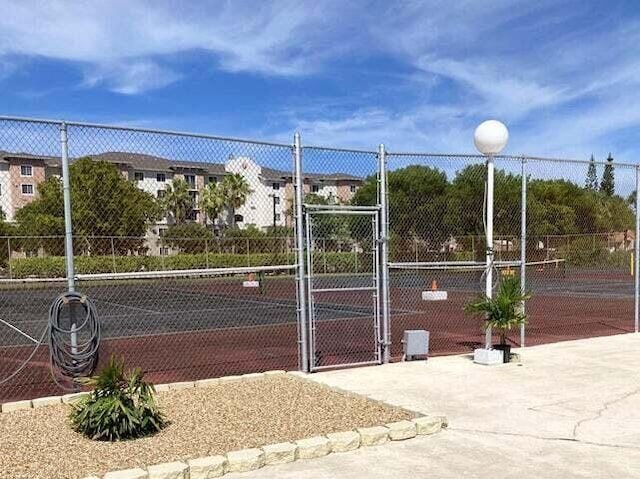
pixel 192 215
pixel 161 193
pixel 161 232
pixel 276 186
pixel 138 176
pixel 276 200
pixel 353 188
pixel 26 170
pixel 238 218
pixel 27 189
pixel 212 179
pixel 164 251
pixel 194 197
pixel 315 188
pixel 277 216
pixel 191 180
pixel 161 177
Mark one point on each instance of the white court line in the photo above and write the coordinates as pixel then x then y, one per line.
pixel 135 308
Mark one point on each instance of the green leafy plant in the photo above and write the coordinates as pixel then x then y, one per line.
pixel 502 312
pixel 121 406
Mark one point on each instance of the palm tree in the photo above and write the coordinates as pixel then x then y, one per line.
pixel 235 191
pixel 212 202
pixel 177 201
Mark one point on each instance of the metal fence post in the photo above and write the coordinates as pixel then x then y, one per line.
pixel 9 258
pixel 636 256
pixel 68 228
pixel 66 190
pixel 324 254
pixel 523 242
pixel 489 234
pixel 206 253
pixel 384 260
pixel 300 276
pixel 113 255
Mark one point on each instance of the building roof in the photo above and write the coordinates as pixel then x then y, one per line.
pixel 143 162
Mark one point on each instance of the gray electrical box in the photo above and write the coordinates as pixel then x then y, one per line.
pixel 415 343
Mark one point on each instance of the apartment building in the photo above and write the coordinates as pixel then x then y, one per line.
pixel 270 202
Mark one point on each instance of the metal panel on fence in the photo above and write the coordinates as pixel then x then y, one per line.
pixel 344 300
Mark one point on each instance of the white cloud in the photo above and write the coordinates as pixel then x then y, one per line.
pixel 274 38
pixel 562 76
pixel 131 78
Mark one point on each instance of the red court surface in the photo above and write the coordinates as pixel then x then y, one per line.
pixel 345 333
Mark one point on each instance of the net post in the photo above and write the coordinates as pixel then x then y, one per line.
pixel 384 256
pixel 636 256
pixel 489 239
pixel 523 242
pixel 300 258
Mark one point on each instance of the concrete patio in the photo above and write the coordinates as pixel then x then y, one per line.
pixel 567 410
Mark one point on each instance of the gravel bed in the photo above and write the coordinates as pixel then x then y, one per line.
pixel 39 443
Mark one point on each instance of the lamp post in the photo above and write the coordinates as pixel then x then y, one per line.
pixel 490 138
pixel 273 198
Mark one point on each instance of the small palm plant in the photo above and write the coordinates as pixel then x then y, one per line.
pixel 121 406
pixel 503 311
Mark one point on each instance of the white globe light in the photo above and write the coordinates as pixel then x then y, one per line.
pixel 491 137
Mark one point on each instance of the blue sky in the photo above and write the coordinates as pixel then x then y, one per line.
pixel 418 76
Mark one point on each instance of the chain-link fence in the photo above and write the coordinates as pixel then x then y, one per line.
pixel 183 242
pixel 577 259
pixel 208 256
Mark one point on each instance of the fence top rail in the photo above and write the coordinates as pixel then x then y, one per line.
pixel 337 150
pixel 59 122
pixel 142 130
pixel 476 156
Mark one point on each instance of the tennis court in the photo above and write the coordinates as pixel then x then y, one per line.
pixel 188 327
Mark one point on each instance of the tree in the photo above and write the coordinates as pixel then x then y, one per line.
pixel 212 202
pixel 235 191
pixel 592 176
pixel 607 186
pixel 104 204
pixel 177 202
pixel 417 200
pixel 188 237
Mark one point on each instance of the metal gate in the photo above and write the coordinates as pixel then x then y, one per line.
pixel 343 285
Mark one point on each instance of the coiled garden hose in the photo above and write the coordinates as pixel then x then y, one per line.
pixel 73 351
pixel 69 358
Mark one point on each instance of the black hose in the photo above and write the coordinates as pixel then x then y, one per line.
pixel 72 361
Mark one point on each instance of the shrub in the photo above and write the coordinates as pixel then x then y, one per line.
pixel 121 406
pixel 188 237
pixel 587 252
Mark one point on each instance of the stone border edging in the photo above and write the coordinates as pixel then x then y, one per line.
pixel 250 459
